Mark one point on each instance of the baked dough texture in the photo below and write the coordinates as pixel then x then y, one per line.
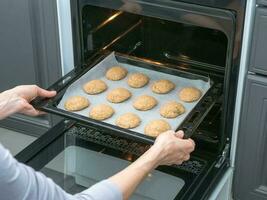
pixel 190 94
pixel 118 95
pixel 137 80
pixel 95 87
pixel 172 109
pixel 76 103
pixel 162 86
pixel 156 127
pixel 128 121
pixel 101 112
pixel 144 103
pixel 116 73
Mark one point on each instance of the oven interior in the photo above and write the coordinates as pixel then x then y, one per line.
pixel 185 40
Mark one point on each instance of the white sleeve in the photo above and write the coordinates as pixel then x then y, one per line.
pixel 20 182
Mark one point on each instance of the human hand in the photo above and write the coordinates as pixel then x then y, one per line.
pixel 170 148
pixel 27 93
pixel 131 7
pixel 18 100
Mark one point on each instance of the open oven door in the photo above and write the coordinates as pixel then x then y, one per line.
pixel 77 156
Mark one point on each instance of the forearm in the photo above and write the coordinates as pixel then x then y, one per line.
pixel 129 178
pixel 9 104
pixel 18 181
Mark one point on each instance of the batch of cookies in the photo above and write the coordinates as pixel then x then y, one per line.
pixel 169 110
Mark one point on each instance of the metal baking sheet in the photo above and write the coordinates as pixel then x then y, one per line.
pixel 98 72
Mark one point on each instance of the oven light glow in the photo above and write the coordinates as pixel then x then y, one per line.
pixel 184 65
pixel 184 57
pixel 114 16
pixel 104 23
pixel 129 157
pixel 152 62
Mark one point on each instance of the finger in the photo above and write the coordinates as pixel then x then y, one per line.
pixel 41 112
pixel 189 145
pixel 187 157
pixel 179 134
pixel 193 144
pixel 45 93
pixel 181 156
pixel 30 110
pixel 179 162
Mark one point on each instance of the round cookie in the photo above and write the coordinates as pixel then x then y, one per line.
pixel 95 87
pixel 118 95
pixel 128 120
pixel 144 103
pixel 101 112
pixel 116 73
pixel 156 127
pixel 172 109
pixel 137 80
pixel 190 94
pixel 162 86
pixel 76 103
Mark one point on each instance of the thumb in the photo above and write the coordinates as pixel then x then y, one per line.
pixel 179 134
pixel 45 93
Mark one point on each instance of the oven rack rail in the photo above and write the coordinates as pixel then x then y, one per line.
pixel 126 146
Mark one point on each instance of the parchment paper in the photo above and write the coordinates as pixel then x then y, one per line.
pixel 98 72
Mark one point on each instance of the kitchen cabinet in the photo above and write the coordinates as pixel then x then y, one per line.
pixel 250 173
pixel 29 53
pixel 258 59
pixel 251 165
pixel 262 2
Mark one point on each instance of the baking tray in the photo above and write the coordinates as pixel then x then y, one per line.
pixel 188 122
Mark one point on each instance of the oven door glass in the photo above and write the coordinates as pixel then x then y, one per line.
pixel 76 157
pixel 77 168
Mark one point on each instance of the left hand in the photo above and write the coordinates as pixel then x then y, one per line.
pixel 18 100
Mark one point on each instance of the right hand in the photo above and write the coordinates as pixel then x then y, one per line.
pixel 170 148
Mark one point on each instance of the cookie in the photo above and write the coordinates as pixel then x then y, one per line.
pixel 128 120
pixel 144 103
pixel 101 112
pixel 137 80
pixel 190 94
pixel 118 95
pixel 172 109
pixel 162 86
pixel 95 87
pixel 156 127
pixel 116 73
pixel 76 103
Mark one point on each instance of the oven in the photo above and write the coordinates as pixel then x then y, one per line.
pixel 195 40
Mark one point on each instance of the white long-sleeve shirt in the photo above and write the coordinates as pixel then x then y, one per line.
pixel 20 182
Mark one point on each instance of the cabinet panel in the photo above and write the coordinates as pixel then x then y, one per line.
pixel 251 163
pixel 16 52
pixel 29 54
pixel 258 60
pixel 262 2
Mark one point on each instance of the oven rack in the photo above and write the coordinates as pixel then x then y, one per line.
pixel 126 146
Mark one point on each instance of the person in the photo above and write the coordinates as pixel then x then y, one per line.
pixel 18 181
